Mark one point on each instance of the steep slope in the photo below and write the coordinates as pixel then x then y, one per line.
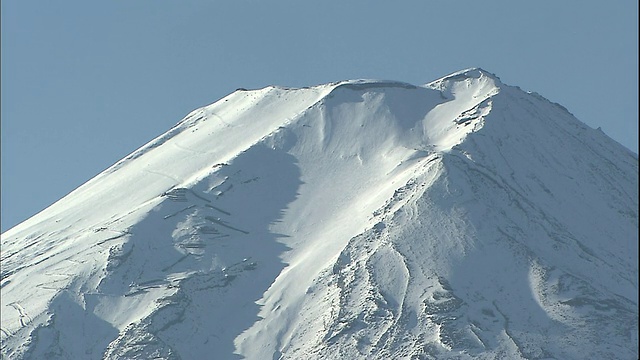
pixel 360 219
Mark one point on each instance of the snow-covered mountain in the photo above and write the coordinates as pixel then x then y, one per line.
pixel 360 219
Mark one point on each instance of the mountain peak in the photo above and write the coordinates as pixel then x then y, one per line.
pixel 467 82
pixel 471 73
pixel 358 219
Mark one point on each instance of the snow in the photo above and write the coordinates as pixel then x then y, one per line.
pixel 463 218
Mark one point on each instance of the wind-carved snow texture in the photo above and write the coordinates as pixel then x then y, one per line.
pixel 366 219
pixel 214 260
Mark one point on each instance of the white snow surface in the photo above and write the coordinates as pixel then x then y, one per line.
pixel 361 219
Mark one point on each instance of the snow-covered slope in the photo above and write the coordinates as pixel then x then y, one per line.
pixel 361 219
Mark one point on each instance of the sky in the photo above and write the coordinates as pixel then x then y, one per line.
pixel 84 83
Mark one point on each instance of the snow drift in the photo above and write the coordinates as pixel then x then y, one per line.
pixel 360 219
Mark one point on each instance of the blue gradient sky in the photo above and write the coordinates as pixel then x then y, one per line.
pixel 85 83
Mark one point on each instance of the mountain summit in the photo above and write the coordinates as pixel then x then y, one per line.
pixel 366 219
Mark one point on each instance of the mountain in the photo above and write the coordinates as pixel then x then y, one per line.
pixel 460 219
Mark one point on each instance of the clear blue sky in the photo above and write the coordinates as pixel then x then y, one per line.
pixel 84 83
